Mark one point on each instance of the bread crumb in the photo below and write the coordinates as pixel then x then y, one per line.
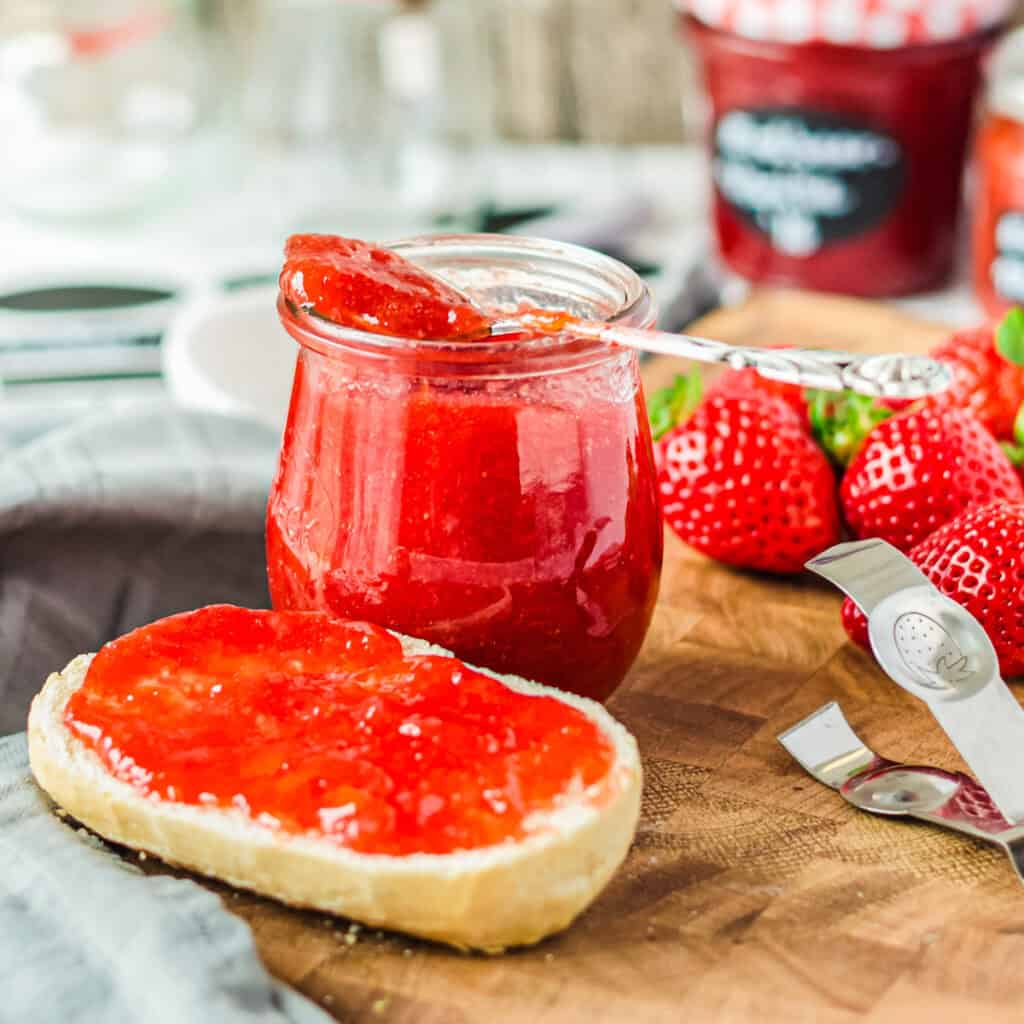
pixel 328 999
pixel 60 812
pixel 92 840
pixel 406 952
pixel 549 957
pixel 142 854
pixel 380 1005
pixel 351 938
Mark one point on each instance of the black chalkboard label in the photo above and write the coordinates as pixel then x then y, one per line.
pixel 805 178
pixel 1008 266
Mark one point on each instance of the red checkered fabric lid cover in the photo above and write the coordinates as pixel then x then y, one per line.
pixel 877 24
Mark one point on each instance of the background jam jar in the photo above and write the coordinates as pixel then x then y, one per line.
pixel 497 498
pixel 998 213
pixel 838 135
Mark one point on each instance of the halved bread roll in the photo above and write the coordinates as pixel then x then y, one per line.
pixel 489 898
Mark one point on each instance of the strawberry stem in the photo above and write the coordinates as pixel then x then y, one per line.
pixel 1015 449
pixel 673 405
pixel 841 421
pixel 1010 336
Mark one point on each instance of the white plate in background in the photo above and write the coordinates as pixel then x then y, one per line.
pixel 228 353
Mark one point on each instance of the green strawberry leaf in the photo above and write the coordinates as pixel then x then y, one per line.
pixel 840 421
pixel 1015 449
pixel 1010 336
pixel 672 406
pixel 1014 452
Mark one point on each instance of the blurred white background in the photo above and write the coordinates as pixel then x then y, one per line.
pixel 172 145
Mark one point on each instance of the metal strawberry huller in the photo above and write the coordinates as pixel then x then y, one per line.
pixel 937 651
pixel 828 748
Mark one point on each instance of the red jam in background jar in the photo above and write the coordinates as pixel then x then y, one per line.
pixel 838 135
pixel 495 497
pixel 998 209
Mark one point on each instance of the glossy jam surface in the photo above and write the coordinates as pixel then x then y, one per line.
pixel 358 285
pixel 823 222
pixel 511 516
pixel 516 524
pixel 313 725
pixel 998 267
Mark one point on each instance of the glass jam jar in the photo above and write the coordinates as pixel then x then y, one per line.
pixel 497 498
pixel 838 135
pixel 998 207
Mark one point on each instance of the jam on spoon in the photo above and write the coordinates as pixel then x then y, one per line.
pixel 355 284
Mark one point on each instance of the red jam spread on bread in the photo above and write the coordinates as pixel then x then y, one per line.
pixel 310 724
pixel 355 284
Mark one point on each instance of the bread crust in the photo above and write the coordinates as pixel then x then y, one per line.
pixel 487 899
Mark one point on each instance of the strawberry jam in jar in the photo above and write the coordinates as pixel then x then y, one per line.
pixel 838 135
pixel 496 497
pixel 998 214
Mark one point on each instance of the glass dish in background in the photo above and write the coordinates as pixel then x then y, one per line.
pixel 103 104
pixel 355 107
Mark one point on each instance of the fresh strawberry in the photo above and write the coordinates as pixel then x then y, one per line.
pixel 750 380
pixel 977 559
pixel 742 481
pixel 920 469
pixel 855 622
pixel 988 375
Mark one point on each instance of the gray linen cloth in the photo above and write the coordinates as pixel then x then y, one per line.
pixel 119 520
pixel 86 938
pixel 106 525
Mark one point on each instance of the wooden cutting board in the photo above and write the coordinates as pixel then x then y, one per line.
pixel 752 893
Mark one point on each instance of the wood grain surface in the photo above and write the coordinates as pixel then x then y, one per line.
pixel 752 893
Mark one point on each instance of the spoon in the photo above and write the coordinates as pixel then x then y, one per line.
pixel 354 284
pixel 893 375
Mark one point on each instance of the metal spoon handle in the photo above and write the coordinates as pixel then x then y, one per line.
pixel 885 376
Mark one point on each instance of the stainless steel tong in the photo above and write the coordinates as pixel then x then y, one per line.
pixel 829 750
pixel 936 650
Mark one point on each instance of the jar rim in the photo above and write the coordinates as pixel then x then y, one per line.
pixel 485 250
